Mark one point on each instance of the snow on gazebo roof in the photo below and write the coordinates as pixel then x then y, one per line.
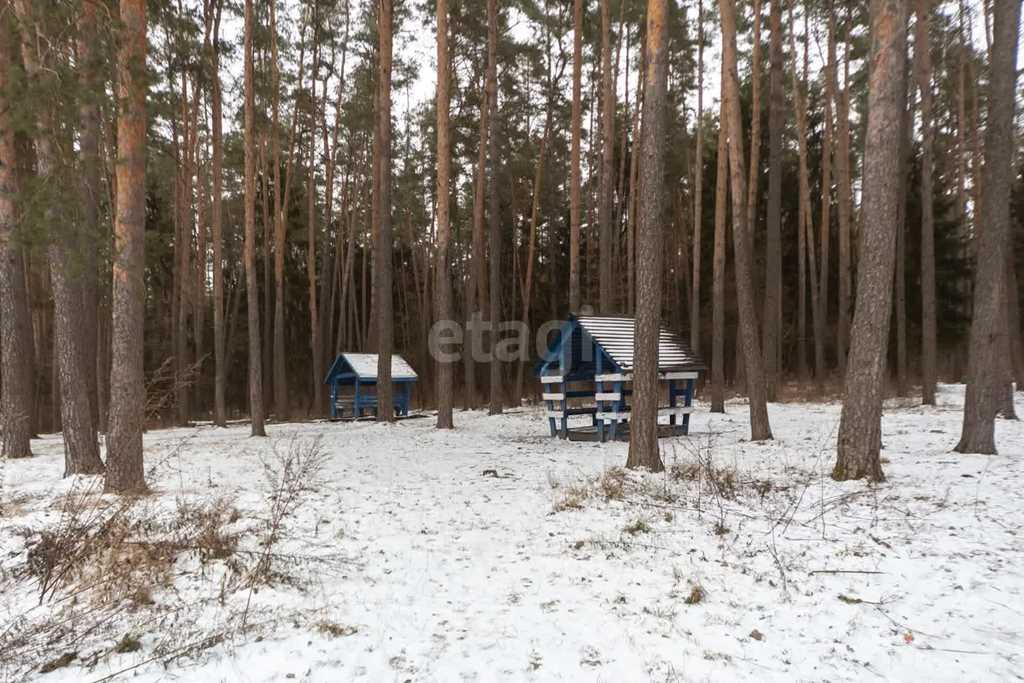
pixel 364 367
pixel 615 334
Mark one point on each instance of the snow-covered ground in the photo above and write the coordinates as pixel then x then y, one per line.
pixel 405 558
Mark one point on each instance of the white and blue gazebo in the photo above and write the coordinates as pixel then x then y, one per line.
pixel 353 381
pixel 588 371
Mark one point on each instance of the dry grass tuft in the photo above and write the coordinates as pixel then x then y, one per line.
pixel 612 483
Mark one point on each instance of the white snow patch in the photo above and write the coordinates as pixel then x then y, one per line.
pixel 446 574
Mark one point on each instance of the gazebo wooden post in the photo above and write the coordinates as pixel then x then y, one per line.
pixel 688 402
pixel 672 402
pixel 600 404
pixel 563 367
pixel 357 410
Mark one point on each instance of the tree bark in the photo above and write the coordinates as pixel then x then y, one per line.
pixel 859 439
pixel 16 352
pixel 643 428
pixel 698 186
pixel 772 316
pixel 127 389
pixel 91 189
pixel 383 246
pixel 755 130
pixel 760 429
pixel 252 293
pixel 986 364
pixel 80 444
pixel 718 265
pixel 315 340
pixel 808 268
pixel 606 197
pixel 493 208
pixel 844 198
pixel 923 71
pixel 282 196
pixel 442 280
pixel 900 281
pixel 217 223
pixel 576 123
pixel 477 286
pixel 825 225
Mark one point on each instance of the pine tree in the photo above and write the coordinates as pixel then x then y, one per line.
pixel 16 352
pixel 988 344
pixel 127 389
pixel 760 429
pixel 860 423
pixel 382 189
pixel 442 280
pixel 643 433
pixel 252 296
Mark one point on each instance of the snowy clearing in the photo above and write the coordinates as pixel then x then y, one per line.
pixel 497 553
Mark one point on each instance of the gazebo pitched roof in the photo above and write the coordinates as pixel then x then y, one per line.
pixel 364 367
pixel 591 344
pixel 615 334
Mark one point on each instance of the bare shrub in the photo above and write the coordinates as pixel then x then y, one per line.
pixel 612 483
pixel 572 498
pixel 696 595
pixel 288 474
pixel 165 382
pixel 637 526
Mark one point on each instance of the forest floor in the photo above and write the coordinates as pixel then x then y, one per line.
pixel 359 551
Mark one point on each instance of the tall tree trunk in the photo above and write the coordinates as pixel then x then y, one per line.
pixel 16 353
pixel 267 314
pixel 844 197
pixel 760 429
pixel 718 265
pixel 923 71
pixel 127 387
pixel 80 444
pixel 315 341
pixel 443 312
pixel 618 220
pixel 182 250
pixel 772 316
pixel 963 151
pixel 808 269
pixel 216 224
pixel 698 186
pixel 825 226
pixel 252 293
pixel 900 282
pixel 986 365
pixel 531 251
pixel 860 424
pixel 755 129
pixel 91 189
pixel 493 217
pixel 755 165
pixel 606 197
pixel 477 292
pixel 576 123
pixel 634 191
pixel 282 195
pixel 643 432
pixel 382 249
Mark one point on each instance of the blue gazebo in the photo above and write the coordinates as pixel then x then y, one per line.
pixel 588 370
pixel 353 382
